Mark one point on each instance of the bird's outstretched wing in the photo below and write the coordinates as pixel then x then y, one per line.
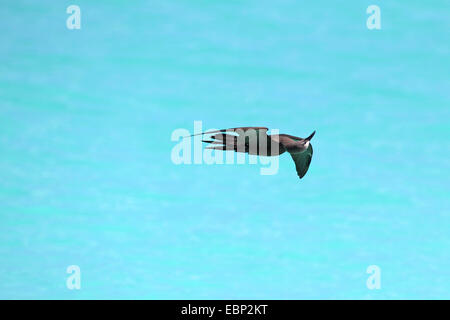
pixel 302 161
pixel 237 130
pixel 241 139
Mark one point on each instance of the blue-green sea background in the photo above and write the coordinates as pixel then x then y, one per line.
pixel 86 176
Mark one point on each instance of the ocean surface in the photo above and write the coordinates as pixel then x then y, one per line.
pixel 86 176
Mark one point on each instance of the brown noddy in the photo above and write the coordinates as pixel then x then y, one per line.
pixel 256 141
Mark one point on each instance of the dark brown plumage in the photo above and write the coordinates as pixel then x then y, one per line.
pixel 256 141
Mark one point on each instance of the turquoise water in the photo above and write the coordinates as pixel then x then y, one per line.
pixel 86 176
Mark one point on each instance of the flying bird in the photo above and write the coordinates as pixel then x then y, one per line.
pixel 256 141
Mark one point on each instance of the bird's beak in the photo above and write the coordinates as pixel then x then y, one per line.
pixel 312 135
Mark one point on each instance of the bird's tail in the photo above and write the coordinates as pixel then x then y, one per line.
pixel 310 136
